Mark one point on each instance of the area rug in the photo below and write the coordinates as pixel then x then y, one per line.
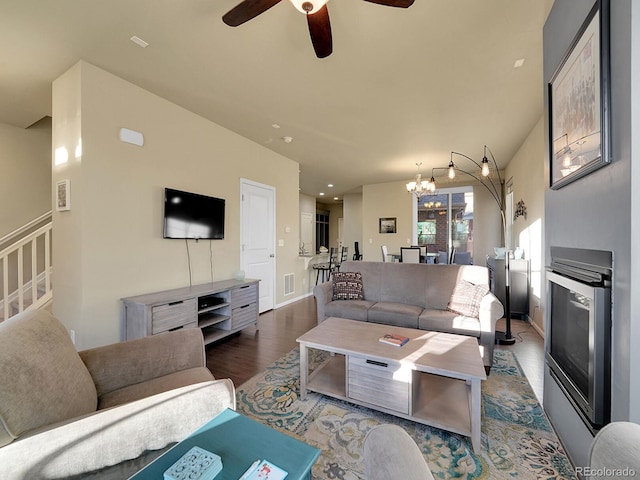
pixel 517 439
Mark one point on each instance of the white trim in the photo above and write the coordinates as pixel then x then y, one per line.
pixel 293 300
pixel 42 278
pixel 535 327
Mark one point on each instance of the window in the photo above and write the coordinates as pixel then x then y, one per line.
pixel 322 230
pixel 445 220
pixel 427 232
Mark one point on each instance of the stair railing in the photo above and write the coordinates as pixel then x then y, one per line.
pixel 36 290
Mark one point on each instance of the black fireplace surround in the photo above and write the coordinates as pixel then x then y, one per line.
pixel 578 346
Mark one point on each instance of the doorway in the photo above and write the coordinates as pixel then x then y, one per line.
pixel 257 238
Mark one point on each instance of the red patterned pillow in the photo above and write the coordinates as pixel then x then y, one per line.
pixel 466 298
pixel 347 286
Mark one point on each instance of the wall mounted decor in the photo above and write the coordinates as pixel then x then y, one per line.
pixel 520 211
pixel 579 103
pixel 388 225
pixel 63 196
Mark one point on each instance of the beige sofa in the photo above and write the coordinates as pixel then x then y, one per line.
pixel 63 413
pixel 416 296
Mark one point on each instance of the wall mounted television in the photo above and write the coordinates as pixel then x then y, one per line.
pixel 191 215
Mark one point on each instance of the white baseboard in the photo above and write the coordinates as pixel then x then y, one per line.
pixel 535 326
pixel 293 300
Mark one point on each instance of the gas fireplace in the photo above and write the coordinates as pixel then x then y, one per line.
pixel 578 342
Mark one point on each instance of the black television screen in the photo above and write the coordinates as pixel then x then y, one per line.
pixel 190 215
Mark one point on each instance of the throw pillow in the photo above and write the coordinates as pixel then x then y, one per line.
pixel 347 286
pixel 466 297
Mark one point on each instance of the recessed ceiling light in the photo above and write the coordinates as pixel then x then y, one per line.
pixel 287 139
pixel 321 194
pixel 275 125
pixel 519 63
pixel 138 41
pixel 336 198
pixel 330 185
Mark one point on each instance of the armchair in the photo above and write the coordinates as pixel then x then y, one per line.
pixel 64 413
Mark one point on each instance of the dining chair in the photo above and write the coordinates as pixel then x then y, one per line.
pixel 357 255
pixel 462 258
pixel 453 254
pixel 443 257
pixel 326 268
pixel 410 255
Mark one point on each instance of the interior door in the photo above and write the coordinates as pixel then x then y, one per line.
pixel 257 238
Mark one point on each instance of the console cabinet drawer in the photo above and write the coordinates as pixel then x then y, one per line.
pixel 383 384
pixel 244 295
pixel 172 315
pixel 244 316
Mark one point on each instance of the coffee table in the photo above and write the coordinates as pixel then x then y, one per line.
pixel 239 441
pixel 434 379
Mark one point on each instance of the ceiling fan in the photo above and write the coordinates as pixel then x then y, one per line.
pixel 316 12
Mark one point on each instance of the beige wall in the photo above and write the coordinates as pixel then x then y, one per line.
pixel 352 207
pixel 110 244
pixel 487 229
pixel 392 200
pixel 384 200
pixel 25 175
pixel 527 173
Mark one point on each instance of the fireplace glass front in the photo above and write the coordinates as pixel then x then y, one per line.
pixel 578 344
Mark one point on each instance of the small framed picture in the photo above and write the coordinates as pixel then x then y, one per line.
pixel 63 199
pixel 388 225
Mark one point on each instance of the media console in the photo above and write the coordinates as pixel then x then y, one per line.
pixel 218 309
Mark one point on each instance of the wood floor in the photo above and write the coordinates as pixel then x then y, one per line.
pixel 247 353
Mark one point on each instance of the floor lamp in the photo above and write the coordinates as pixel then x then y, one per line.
pixel 495 188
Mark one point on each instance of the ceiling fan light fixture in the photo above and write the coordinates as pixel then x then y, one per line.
pixel 307 7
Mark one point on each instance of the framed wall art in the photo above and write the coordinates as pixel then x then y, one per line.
pixel 63 196
pixel 388 225
pixel 579 100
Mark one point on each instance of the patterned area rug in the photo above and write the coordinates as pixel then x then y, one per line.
pixel 517 439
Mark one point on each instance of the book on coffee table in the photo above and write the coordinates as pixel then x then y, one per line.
pixel 264 470
pixel 394 339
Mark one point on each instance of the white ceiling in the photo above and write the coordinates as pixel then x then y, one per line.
pixel 402 85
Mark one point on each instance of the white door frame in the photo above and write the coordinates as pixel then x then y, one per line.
pixel 243 235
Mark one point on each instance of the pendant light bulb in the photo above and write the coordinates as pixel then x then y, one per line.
pixel 431 186
pixel 452 171
pixel 485 167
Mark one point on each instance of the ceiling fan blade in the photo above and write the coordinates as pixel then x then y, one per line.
pixel 247 10
pixel 320 31
pixel 393 3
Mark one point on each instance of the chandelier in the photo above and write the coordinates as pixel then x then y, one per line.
pixel 420 187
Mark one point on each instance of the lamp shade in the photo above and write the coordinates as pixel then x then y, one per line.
pixel 308 7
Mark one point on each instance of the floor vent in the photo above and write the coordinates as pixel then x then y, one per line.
pixel 289 283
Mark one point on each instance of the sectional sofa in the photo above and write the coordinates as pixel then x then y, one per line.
pixel 443 298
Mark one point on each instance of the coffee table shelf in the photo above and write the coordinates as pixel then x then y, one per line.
pixel 434 379
pixel 329 378
pixel 442 403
